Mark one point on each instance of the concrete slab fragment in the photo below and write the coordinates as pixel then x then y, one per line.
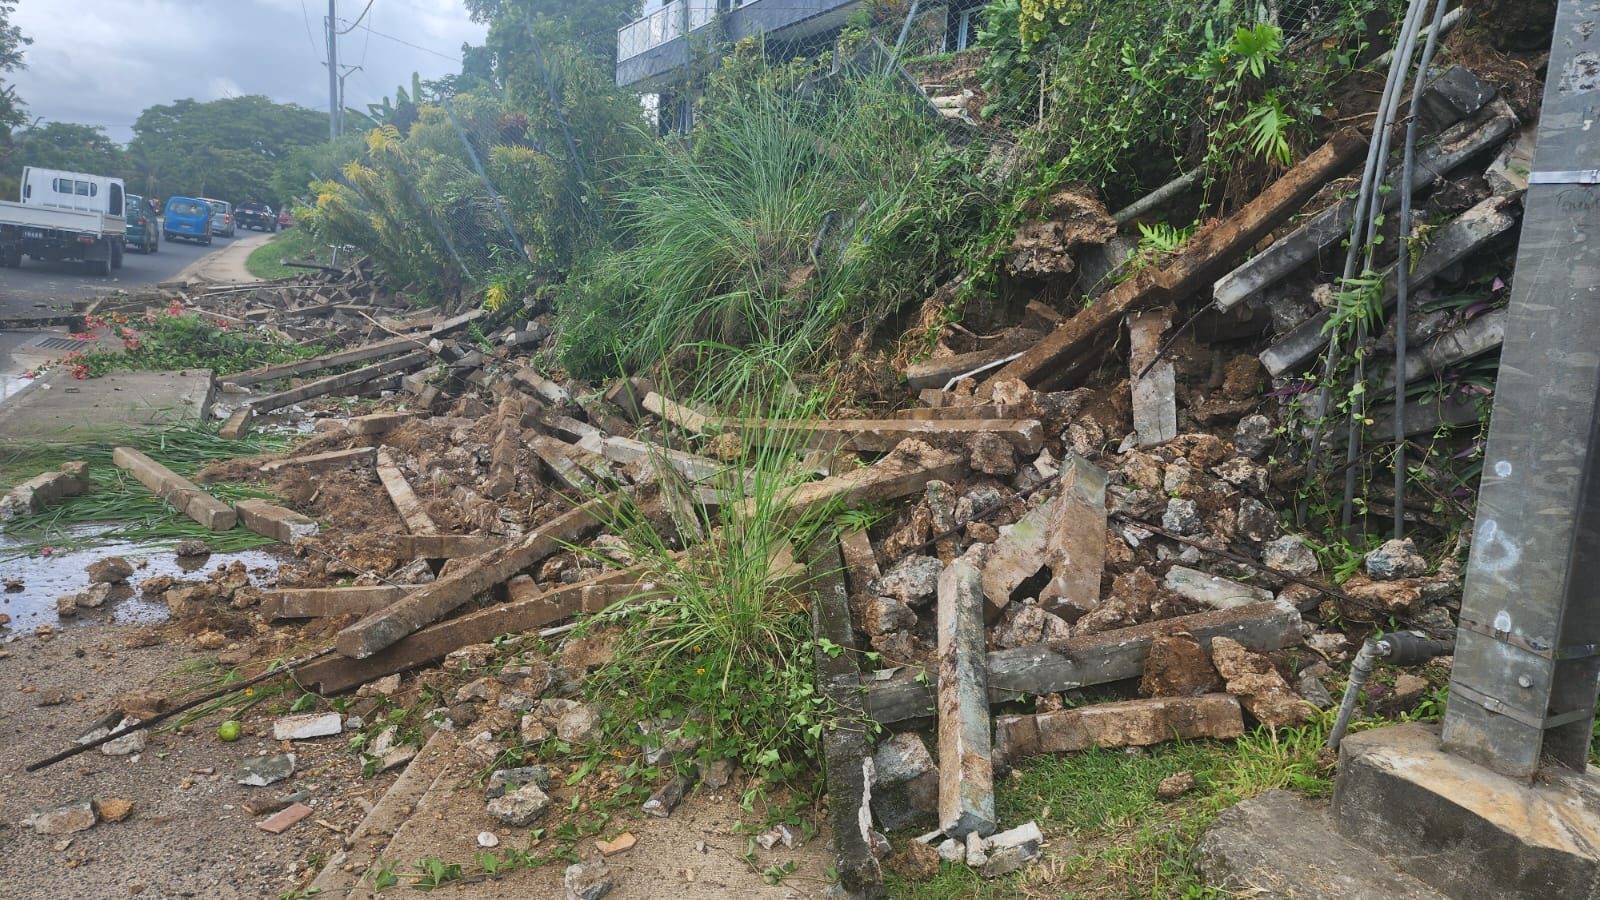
pixel 966 770
pixel 58 409
pixel 1155 403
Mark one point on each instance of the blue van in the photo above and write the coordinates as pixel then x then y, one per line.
pixel 189 219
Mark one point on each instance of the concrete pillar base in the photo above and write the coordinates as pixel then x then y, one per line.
pixel 1463 829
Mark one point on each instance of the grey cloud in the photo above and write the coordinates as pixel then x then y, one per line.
pixel 101 62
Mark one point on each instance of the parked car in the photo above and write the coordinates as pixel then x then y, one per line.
pixel 144 228
pixel 188 218
pixel 221 217
pixel 285 220
pixel 255 215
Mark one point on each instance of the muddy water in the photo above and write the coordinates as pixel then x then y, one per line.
pixel 47 577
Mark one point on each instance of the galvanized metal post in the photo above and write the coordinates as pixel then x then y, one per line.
pixel 1523 687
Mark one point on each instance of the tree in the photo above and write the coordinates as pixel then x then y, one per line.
pixel 589 28
pixel 12 41
pixel 227 148
pixel 65 145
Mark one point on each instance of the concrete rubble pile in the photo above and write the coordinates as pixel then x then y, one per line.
pixel 1060 521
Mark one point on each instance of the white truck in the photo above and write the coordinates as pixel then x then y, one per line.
pixel 64 215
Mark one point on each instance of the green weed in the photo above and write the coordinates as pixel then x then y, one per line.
pixel 266 261
pixel 724 659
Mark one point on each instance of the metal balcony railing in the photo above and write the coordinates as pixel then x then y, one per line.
pixel 669 22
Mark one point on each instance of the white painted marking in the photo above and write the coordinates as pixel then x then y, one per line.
pixel 1503 468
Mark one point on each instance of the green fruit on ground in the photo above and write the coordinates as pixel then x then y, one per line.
pixel 228 731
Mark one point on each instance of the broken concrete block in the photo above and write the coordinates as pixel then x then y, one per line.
pixel 377 423
pixel 42 490
pixel 1075 543
pixel 1128 723
pixel 66 819
pixel 1155 404
pixel 905 784
pixel 1290 554
pixel 1254 436
pixel 913 580
pixel 268 520
pixel 1009 851
pixel 1252 678
pixel 588 880
pixel 1182 517
pixel 260 771
pixel 966 777
pixel 882 615
pixel 127 745
pixel 1017 556
pixel 1395 558
pixel 952 850
pixel 1212 591
pixel 666 798
pixel 521 807
pixel 111 570
pixel 183 494
pixel 1028 624
pixel 511 779
pixel 307 726
pixel 992 454
pixel 1178 667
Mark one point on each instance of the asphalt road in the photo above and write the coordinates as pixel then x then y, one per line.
pixel 41 289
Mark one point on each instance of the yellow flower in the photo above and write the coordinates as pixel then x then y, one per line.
pixel 700 671
pixel 249 692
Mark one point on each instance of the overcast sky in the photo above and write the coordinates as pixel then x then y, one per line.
pixel 101 62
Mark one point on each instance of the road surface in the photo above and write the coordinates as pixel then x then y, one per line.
pixel 43 289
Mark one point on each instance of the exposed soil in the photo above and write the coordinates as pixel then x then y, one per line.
pixel 187 835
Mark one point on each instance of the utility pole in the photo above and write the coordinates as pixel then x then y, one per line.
pixel 333 69
pixel 1522 691
pixel 348 71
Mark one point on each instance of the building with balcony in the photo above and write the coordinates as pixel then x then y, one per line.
pixel 654 50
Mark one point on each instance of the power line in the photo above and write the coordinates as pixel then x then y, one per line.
pixel 366 43
pixel 359 18
pixel 307 17
pixel 390 37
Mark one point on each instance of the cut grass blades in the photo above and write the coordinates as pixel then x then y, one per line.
pixel 117 499
pixel 724 661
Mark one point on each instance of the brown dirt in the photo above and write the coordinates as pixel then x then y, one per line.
pixel 696 852
pixel 187 835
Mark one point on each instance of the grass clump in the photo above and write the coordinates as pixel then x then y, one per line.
pixel 1118 839
pixel 721 658
pixel 266 261
pixel 116 498
pixel 782 217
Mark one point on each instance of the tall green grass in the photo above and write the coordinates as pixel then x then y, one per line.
pixel 780 217
pixel 727 651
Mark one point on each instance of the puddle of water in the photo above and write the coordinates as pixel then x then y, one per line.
pixel 11 384
pixel 47 577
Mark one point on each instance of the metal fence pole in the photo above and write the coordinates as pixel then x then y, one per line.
pixel 1522 689
pixel 477 166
